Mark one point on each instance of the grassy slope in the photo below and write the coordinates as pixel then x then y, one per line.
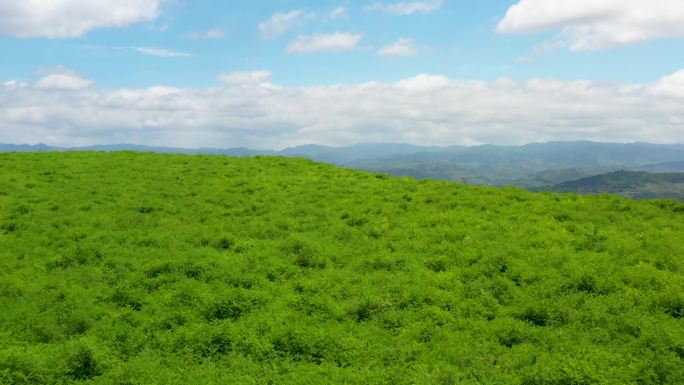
pixel 128 268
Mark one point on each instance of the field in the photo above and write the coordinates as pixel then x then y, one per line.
pixel 138 268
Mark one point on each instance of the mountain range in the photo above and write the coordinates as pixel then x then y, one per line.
pixel 634 184
pixel 533 166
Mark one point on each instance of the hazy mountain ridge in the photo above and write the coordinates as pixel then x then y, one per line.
pixel 236 151
pixel 634 184
pixel 531 166
pixel 663 167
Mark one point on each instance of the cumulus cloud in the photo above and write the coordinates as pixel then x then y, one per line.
pixel 71 18
pixel 63 82
pixel 61 78
pixel 246 78
pixel 596 24
pixel 161 52
pixel 671 85
pixel 280 23
pixel 403 47
pixel 426 109
pixel 333 42
pixel 406 8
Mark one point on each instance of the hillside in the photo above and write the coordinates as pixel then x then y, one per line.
pixel 664 167
pixel 529 166
pixel 629 183
pixel 141 268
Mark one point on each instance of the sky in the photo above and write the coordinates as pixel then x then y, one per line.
pixel 273 74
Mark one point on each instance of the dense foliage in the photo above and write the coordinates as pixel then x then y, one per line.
pixel 532 166
pixel 132 268
pixel 633 184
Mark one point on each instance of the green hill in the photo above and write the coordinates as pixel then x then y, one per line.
pixel 630 183
pixel 531 166
pixel 134 268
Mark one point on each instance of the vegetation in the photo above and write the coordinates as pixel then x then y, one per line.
pixel 633 184
pixel 529 166
pixel 134 268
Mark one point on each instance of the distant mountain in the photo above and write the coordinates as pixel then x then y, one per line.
pixel 360 152
pixel 635 184
pixel 663 167
pixel 239 151
pixel 530 166
pixel 40 147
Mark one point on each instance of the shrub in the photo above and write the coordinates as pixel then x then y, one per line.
pixel 304 253
pixel 231 306
pixel 82 365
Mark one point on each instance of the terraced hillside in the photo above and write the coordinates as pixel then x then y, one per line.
pixel 136 268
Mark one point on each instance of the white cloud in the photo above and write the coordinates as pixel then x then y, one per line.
pixel 671 85
pixel 161 52
pixel 423 83
pixel 403 47
pixel 426 109
pixel 338 13
pixel 406 8
pixel 596 24
pixel 246 78
pixel 14 84
pixel 280 23
pixel 333 42
pixel 71 18
pixel 62 81
pixel 215 33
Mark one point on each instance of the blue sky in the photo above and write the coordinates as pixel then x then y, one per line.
pixel 459 40
pixel 110 46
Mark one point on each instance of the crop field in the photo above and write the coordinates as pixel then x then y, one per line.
pixel 140 268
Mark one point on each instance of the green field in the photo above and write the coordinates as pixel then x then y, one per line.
pixel 138 268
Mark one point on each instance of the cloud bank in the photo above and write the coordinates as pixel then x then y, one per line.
pixel 250 78
pixel 71 18
pixel 425 109
pixel 596 24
